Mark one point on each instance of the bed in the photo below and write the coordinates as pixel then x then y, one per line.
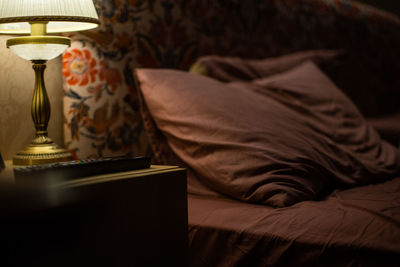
pixel 287 123
pixel 282 170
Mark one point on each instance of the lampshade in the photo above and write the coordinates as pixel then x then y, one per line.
pixel 61 15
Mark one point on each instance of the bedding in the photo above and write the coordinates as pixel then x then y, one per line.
pixel 278 140
pixel 332 62
pixel 229 69
pixel 354 227
pixel 373 99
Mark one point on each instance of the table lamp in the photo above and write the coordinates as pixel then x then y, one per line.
pixel 38 18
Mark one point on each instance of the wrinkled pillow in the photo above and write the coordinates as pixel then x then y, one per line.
pixel 278 141
pixel 228 69
pixel 375 95
pixel 162 153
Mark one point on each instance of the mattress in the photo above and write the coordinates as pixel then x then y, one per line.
pixel 354 227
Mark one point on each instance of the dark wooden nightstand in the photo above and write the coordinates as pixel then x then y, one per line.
pixel 135 218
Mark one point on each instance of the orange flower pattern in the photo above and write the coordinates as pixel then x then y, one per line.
pixel 79 67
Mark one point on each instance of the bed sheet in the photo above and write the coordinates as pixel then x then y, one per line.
pixel 354 227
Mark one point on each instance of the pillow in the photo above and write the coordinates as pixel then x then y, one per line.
pixel 280 140
pixel 162 153
pixel 374 95
pixel 228 69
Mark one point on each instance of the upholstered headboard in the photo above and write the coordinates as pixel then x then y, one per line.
pixel 101 109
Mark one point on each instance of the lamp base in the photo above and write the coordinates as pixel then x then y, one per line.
pixel 41 154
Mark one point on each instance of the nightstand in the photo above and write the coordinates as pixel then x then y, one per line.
pixel 135 218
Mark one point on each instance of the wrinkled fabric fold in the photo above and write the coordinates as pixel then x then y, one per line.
pixel 353 227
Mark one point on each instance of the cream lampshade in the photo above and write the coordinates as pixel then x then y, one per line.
pixel 37 18
pixel 61 15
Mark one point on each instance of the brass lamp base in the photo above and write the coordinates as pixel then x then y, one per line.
pixel 42 149
pixel 41 154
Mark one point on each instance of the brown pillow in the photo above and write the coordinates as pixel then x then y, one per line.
pixel 229 69
pixel 162 153
pixel 277 141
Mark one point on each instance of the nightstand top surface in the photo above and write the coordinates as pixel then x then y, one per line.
pixel 7 175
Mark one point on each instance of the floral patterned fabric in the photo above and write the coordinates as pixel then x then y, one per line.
pixel 101 107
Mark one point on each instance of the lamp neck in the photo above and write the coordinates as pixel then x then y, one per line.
pixel 38 28
pixel 40 109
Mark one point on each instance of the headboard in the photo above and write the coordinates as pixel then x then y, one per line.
pixel 101 108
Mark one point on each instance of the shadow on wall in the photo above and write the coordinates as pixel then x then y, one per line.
pixel 16 88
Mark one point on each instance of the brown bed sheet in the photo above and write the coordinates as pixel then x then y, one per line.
pixel 353 227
